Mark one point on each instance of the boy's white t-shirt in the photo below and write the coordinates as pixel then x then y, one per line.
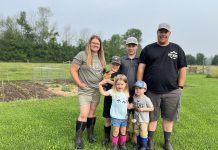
pixel 119 105
pixel 142 102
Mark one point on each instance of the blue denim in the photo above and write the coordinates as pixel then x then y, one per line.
pixel 119 122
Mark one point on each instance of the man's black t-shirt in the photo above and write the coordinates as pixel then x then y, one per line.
pixel 162 66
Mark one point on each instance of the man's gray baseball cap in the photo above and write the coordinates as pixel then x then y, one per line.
pixel 131 40
pixel 164 26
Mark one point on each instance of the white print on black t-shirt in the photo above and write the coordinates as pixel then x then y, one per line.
pixel 173 55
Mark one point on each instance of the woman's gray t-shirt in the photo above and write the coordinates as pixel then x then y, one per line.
pixel 90 75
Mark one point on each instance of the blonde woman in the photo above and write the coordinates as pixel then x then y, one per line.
pixel 87 70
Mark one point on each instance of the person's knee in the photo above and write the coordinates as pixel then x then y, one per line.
pixel 91 115
pixel 115 132
pixel 123 132
pixel 152 126
pixel 167 125
pixel 107 121
pixel 82 117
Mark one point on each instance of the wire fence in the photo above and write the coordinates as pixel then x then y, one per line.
pixel 28 80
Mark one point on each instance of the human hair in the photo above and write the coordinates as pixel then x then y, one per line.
pixel 121 77
pixel 88 52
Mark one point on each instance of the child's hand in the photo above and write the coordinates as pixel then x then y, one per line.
pixel 103 82
pixel 109 81
pixel 107 74
pixel 130 106
pixel 82 85
pixel 140 109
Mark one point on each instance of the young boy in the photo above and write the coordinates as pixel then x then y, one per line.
pixel 129 66
pixel 114 65
pixel 143 106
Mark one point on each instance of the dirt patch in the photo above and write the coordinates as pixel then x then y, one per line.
pixel 15 90
pixel 63 90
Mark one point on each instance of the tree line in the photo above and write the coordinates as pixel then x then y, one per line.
pixel 200 59
pixel 37 40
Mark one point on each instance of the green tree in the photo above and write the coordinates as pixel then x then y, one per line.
pixel 215 60
pixel 27 35
pixel 190 59
pixel 200 59
pixel 42 24
pixel 11 48
pixel 68 51
pixel 135 33
pixel 26 29
pixel 114 46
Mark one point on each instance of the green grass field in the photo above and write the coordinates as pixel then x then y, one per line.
pixel 24 71
pixel 50 123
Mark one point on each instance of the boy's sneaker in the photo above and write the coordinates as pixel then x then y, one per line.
pixel 167 146
pixel 142 148
pixel 136 146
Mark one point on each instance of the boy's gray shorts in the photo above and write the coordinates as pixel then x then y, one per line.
pixel 168 104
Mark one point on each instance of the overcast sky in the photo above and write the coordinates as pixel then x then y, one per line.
pixel 194 23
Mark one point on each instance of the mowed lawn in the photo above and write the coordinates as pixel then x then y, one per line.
pixel 50 123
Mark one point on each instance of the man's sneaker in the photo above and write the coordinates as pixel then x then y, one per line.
pixel 167 146
pixel 150 145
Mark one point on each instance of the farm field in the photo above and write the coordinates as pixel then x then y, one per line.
pixel 211 71
pixel 50 123
pixel 25 71
pixel 34 80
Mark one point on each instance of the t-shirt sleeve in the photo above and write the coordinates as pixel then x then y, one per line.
pixel 142 57
pixel 79 58
pixel 149 103
pixel 182 59
pixel 121 66
pixel 110 92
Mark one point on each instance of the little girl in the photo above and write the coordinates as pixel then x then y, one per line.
pixel 118 111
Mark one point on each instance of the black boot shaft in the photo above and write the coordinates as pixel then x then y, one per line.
pixel 107 131
pixel 80 126
pixel 90 129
